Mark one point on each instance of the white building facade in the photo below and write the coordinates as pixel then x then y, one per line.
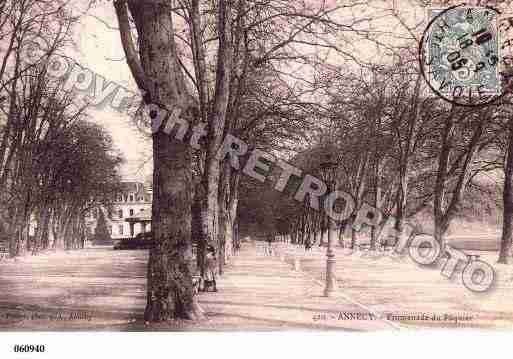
pixel 130 213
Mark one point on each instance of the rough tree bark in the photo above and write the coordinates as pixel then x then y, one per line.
pixel 406 151
pixel 157 71
pixel 507 197
pixel 217 121
pixel 232 215
pixel 224 194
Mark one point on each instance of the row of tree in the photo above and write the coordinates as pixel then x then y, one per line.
pixel 404 151
pixel 227 64
pixel 258 70
pixel 55 165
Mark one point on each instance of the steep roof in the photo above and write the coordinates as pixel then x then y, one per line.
pixel 138 188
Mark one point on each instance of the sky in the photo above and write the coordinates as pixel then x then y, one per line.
pixel 98 48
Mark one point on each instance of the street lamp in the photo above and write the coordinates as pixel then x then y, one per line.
pixel 328 169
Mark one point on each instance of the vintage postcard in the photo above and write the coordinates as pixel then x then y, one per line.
pixel 240 165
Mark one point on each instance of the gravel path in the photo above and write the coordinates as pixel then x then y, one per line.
pixel 103 289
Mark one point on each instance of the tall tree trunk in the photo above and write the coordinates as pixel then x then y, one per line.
pixel 440 184
pixel 18 234
pixel 227 212
pixel 444 213
pixel 401 197
pixel 211 202
pixel 11 231
pixel 233 203
pixel 55 227
pixel 377 197
pixel 170 289
pixel 322 229
pixel 354 237
pixel 316 233
pixel 405 152
pixel 170 292
pixel 507 198
pixel 23 241
pixel 42 228
pixel 236 236
pixel 217 118
pixel 198 229
pixel 293 232
pixel 341 229
pixel 62 232
pixel 224 195
pixel 67 237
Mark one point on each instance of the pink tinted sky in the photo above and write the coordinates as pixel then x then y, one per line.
pixel 99 49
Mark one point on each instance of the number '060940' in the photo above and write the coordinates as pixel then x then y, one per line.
pixel 28 348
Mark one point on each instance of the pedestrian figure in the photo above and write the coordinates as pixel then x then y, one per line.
pixel 270 239
pixel 308 244
pixel 209 277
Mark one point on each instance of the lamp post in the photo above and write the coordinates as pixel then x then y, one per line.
pixel 328 168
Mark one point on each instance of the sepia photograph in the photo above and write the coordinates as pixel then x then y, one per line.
pixel 244 166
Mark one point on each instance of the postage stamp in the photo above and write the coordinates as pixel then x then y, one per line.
pixel 461 55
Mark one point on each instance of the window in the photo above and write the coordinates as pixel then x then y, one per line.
pixel 131 212
pixel 131 198
pixel 110 229
pixel 120 213
pixel 120 228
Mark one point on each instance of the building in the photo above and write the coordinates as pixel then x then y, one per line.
pixel 129 214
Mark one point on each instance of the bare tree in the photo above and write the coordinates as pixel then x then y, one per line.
pixel 157 71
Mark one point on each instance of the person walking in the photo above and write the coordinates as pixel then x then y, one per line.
pixel 270 240
pixel 209 277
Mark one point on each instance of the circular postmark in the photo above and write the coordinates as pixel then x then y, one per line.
pixel 460 55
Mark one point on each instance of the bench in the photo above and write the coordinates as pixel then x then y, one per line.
pixel 4 250
pixel 387 248
pixel 364 247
